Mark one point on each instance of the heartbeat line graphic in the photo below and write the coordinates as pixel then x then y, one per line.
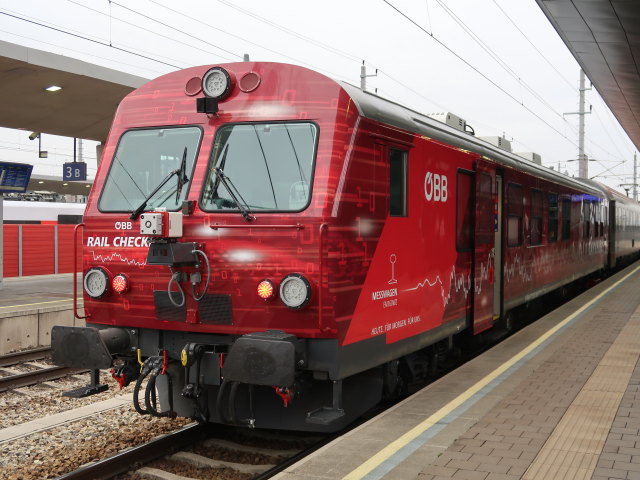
pixel 514 268
pixel 543 264
pixel 458 282
pixel 114 255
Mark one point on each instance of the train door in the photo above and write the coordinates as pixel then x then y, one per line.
pixel 497 256
pixel 484 249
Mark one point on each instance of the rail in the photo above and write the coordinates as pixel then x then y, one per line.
pixel 75 272
pixel 142 454
pixel 41 375
pixel 24 356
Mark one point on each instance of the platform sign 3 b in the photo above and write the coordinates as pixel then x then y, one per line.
pixel 74 171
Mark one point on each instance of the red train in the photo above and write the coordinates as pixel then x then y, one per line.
pixel 270 247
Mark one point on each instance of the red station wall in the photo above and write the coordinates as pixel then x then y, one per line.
pixel 38 249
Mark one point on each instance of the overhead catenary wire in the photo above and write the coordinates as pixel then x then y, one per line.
pixel 503 64
pixel 493 55
pixel 112 17
pixel 334 50
pixel 568 82
pixel 469 31
pixel 243 39
pixel 293 33
pixel 86 38
pixel 93 55
pixel 173 28
pixel 479 72
pixel 312 41
pixel 606 131
pixel 614 121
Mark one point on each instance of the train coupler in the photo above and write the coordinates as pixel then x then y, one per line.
pixel 285 394
pixel 125 374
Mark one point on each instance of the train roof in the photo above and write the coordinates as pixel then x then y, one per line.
pixel 619 198
pixel 391 113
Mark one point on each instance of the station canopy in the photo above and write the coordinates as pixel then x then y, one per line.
pixel 604 37
pixel 83 108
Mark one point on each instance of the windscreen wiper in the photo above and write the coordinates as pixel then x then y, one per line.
pixel 182 179
pixel 228 184
pixel 182 175
pixel 214 190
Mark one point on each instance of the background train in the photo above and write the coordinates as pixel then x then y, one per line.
pixel 270 247
pixel 26 212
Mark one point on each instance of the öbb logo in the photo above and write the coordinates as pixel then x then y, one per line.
pixel 435 187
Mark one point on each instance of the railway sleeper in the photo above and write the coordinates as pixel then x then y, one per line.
pixel 200 461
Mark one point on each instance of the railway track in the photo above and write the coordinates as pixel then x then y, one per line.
pixel 125 460
pixel 168 455
pixel 24 356
pixel 15 379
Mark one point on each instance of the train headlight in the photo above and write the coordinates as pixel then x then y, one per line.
pixel 96 282
pixel 120 283
pixel 295 291
pixel 217 83
pixel 266 290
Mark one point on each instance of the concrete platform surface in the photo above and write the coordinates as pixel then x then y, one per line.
pixel 31 306
pixel 558 400
pixel 37 289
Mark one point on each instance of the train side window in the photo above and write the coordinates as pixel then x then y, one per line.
pixel 397 183
pixel 566 218
pixel 535 220
pixel 464 211
pixel 515 210
pixel 553 218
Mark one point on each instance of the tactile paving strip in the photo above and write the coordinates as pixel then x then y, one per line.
pixel 573 448
pixel 525 436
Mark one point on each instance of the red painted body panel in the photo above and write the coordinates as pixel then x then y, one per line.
pixel 240 257
pixel 415 232
pixel 531 267
pixel 382 275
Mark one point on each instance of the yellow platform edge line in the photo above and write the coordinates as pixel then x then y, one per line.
pixel 391 449
pixel 37 303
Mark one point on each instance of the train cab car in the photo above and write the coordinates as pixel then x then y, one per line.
pixel 272 248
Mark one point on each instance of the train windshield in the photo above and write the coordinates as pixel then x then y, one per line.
pixel 143 160
pixel 269 165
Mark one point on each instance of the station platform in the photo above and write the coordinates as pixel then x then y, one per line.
pixel 30 306
pixel 560 399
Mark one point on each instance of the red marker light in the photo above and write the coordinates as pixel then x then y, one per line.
pixel 266 290
pixel 120 283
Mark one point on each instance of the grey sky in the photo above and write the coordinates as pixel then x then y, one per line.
pixel 334 37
